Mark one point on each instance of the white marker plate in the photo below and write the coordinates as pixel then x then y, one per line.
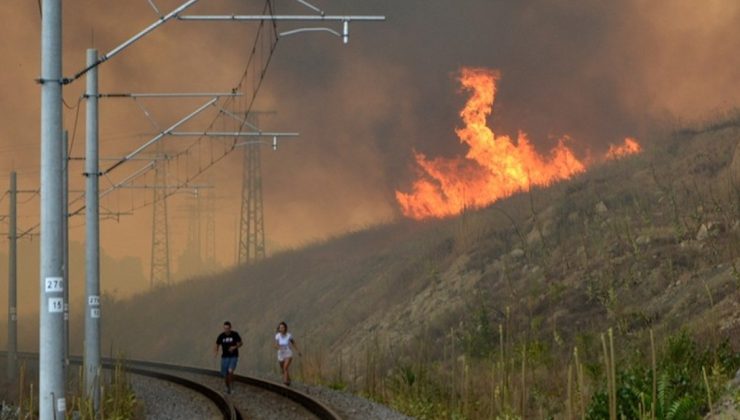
pixel 93 300
pixel 54 284
pixel 95 313
pixel 61 404
pixel 56 305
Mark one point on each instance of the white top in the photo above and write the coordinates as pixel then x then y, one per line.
pixel 283 340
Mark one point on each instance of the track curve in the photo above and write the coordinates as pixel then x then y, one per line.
pixel 317 408
pixel 168 372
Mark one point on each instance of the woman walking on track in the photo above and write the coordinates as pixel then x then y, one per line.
pixel 284 344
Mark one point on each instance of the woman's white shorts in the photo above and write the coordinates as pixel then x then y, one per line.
pixel 283 354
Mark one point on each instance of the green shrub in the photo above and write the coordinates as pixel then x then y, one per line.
pixel 681 392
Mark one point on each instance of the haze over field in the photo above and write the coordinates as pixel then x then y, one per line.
pixel 484 193
pixel 592 71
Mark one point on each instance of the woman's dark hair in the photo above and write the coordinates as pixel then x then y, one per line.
pixel 227 323
pixel 282 323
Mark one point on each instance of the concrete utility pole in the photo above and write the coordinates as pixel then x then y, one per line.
pixel 92 238
pixel 52 404
pixel 65 242
pixel 12 281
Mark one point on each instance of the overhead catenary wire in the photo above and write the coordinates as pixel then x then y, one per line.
pixel 258 77
pixel 268 9
pixel 251 69
pixel 34 194
pixel 29 232
pixel 115 51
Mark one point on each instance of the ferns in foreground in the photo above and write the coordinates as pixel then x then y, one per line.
pixel 682 392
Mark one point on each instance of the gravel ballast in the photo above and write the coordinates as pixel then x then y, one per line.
pixel 163 400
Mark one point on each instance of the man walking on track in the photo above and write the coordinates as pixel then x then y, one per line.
pixel 230 341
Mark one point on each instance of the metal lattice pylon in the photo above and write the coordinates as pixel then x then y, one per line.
pixel 251 226
pixel 160 267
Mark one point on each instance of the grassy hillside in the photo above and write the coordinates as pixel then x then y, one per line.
pixel 481 315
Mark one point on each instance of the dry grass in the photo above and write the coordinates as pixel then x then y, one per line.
pixel 647 243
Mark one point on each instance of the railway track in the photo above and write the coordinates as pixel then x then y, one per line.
pixel 311 405
pixel 193 379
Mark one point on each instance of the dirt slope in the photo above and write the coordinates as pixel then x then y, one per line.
pixel 650 241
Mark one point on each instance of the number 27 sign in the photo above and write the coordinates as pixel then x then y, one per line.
pixel 54 284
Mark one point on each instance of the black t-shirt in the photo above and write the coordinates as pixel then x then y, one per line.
pixel 226 341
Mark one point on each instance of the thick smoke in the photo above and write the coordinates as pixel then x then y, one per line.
pixel 597 71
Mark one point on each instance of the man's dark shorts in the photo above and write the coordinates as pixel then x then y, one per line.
pixel 228 364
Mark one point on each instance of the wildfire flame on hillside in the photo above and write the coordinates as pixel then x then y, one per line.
pixel 630 146
pixel 494 166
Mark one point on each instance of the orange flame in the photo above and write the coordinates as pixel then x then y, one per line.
pixel 494 166
pixel 630 147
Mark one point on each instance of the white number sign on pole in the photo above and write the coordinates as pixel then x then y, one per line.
pixel 54 284
pixel 56 305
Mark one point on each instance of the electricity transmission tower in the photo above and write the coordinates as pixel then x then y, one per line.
pixel 160 266
pixel 252 222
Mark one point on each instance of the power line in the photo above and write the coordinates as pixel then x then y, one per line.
pixel 252 68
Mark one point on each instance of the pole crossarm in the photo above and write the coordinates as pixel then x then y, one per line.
pixel 323 18
pixel 159 136
pixel 170 95
pixel 272 143
pixel 110 54
pixel 344 19
pixel 231 134
pixel 116 158
pixel 175 14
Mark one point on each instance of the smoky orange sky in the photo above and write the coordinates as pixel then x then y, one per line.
pixel 595 71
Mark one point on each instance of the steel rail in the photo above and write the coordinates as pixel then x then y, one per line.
pixel 315 407
pixel 225 407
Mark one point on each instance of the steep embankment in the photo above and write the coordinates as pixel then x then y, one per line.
pixel 649 242
pixel 321 291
